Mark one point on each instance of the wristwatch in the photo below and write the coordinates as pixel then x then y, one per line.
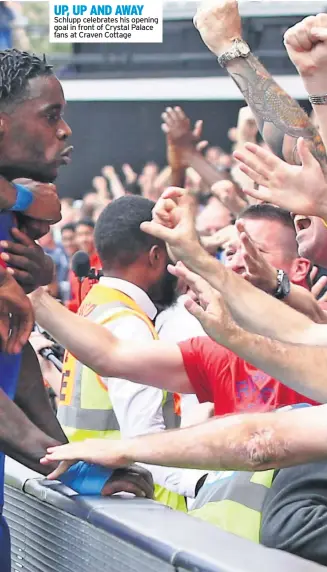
pixel 283 285
pixel 239 49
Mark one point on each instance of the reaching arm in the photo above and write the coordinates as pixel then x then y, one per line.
pixel 280 119
pixel 20 438
pixel 240 442
pixel 32 398
pixel 152 363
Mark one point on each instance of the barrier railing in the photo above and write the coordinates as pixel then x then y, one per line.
pixel 55 530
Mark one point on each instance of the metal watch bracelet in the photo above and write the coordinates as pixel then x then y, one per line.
pixel 318 99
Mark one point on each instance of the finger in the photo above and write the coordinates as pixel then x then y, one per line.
pixel 323 299
pixel 302 37
pixel 165 128
pixel 252 174
pixel 19 262
pixel 303 149
pixel 263 194
pixel 195 310
pixel 268 158
pixel 143 483
pixel 313 273
pixel 246 241
pixel 179 113
pixel 173 193
pixel 319 34
pixel 253 162
pixel 318 287
pixel 21 237
pixel 202 145
pixel 198 129
pixel 4 330
pixel 157 230
pixel 112 488
pixel 13 247
pixel 60 470
pixel 170 116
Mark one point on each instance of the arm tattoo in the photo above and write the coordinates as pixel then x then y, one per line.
pixel 280 118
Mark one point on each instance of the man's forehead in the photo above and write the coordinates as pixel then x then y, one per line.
pixel 47 90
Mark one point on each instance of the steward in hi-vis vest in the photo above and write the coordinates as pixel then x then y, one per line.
pixel 85 410
pixel 233 500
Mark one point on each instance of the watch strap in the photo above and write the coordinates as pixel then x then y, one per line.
pixel 318 99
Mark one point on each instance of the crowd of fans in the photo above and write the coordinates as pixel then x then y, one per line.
pixel 211 372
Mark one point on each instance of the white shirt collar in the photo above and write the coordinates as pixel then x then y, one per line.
pixel 133 291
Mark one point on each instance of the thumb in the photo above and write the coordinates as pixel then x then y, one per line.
pixel 305 155
pixel 157 230
pixel 240 226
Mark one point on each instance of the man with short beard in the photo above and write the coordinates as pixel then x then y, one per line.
pixel 135 286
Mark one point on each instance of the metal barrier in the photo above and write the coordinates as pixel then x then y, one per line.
pixel 55 530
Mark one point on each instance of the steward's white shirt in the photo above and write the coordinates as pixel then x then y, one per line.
pixel 138 408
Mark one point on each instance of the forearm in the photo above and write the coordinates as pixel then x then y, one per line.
pixel 31 397
pixel 302 368
pixel 208 173
pixel 239 442
pixel 20 439
pixel 251 308
pixel 116 186
pixel 280 119
pixel 177 177
pixel 303 301
pixel 93 346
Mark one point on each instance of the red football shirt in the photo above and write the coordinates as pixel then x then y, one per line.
pixel 233 385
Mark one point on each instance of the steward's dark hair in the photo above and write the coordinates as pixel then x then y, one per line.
pixel 118 237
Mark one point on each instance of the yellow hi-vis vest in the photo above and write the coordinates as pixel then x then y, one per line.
pixel 85 410
pixel 234 502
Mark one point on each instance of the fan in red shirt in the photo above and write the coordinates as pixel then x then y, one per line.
pixel 200 365
pixel 84 231
pixel 217 374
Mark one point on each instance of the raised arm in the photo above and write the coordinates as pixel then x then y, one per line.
pixel 252 309
pixel 280 119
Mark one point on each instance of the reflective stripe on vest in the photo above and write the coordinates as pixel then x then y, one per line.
pixel 85 410
pixel 234 503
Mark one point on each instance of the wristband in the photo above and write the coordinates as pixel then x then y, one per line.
pixel 86 479
pixel 24 198
pixel 318 99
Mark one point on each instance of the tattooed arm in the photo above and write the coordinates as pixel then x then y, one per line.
pixel 280 119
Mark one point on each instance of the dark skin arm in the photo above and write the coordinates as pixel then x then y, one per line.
pixel 177 127
pixel 20 439
pixel 32 398
pixel 46 205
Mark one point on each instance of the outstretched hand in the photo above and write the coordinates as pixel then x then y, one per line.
pixel 299 189
pixel 207 305
pixel 126 478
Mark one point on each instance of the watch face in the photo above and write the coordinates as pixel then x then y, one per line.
pixel 243 48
